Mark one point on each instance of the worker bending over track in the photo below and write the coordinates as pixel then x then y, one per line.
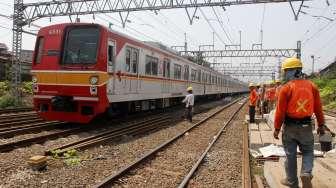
pixel 298 100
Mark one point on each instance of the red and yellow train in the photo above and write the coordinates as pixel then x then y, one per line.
pixel 83 70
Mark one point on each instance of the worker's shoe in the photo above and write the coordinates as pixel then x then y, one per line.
pixel 306 181
pixel 285 182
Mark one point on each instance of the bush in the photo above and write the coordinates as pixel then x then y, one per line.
pixel 327 89
pixel 27 87
pixel 7 100
pixel 4 87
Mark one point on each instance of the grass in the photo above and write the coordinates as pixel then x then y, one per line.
pixel 7 99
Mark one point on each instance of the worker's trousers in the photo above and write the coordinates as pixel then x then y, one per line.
pixel 189 113
pixel 292 137
pixel 252 114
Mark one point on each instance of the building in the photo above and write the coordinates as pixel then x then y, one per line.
pixel 6 61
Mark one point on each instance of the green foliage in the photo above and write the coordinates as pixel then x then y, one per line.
pixel 327 87
pixel 7 100
pixel 4 87
pixel 70 157
pixel 27 87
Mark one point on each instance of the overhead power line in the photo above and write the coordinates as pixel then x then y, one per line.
pixel 213 29
pixel 221 24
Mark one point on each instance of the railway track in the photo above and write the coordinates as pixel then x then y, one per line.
pixel 35 127
pixel 40 139
pixel 15 110
pixel 330 113
pixel 103 137
pixel 123 172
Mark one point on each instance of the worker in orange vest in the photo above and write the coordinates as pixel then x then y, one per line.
pixel 252 102
pixel 298 100
pixel 271 92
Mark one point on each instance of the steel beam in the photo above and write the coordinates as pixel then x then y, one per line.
pixel 243 53
pixel 34 11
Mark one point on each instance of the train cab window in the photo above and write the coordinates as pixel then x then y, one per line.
pixel 135 61
pixel 177 71
pixel 186 72
pixel 128 60
pixel 166 68
pixel 39 50
pixel 81 45
pixel 151 65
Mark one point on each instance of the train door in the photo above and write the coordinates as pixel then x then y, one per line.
pixel 131 69
pixel 111 66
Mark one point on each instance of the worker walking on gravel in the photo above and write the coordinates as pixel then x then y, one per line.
pixel 189 101
pixel 298 100
pixel 252 102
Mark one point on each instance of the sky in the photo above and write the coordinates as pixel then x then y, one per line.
pixel 316 28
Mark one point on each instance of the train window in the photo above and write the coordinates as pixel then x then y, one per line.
pixel 128 60
pixel 39 50
pixel 166 68
pixel 155 62
pixel 186 72
pixel 81 45
pixel 135 61
pixel 151 65
pixel 110 53
pixel 193 74
pixel 199 73
pixel 177 71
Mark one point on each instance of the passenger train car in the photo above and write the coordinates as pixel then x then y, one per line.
pixel 83 70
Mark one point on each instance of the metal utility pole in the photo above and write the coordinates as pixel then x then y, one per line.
pixel 313 58
pixel 18 24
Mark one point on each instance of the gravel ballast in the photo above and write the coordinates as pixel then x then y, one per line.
pixel 168 167
pixel 96 163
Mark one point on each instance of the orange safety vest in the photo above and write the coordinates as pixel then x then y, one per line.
pixel 253 97
pixel 301 99
pixel 270 94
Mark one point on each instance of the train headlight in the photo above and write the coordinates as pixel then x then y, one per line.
pixel 94 80
pixel 34 79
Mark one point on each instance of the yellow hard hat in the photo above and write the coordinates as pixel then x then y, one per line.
pixel 251 85
pixel 189 88
pixel 277 81
pixel 290 63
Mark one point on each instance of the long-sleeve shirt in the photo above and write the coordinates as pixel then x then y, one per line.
pixel 189 100
pixel 298 99
pixel 253 97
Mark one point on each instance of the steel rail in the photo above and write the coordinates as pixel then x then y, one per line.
pixel 112 134
pixel 330 113
pixel 199 161
pixel 124 170
pixel 14 110
pixel 18 115
pixel 39 139
pixel 20 121
pixel 30 128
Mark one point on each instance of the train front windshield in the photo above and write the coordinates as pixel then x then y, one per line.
pixel 80 45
